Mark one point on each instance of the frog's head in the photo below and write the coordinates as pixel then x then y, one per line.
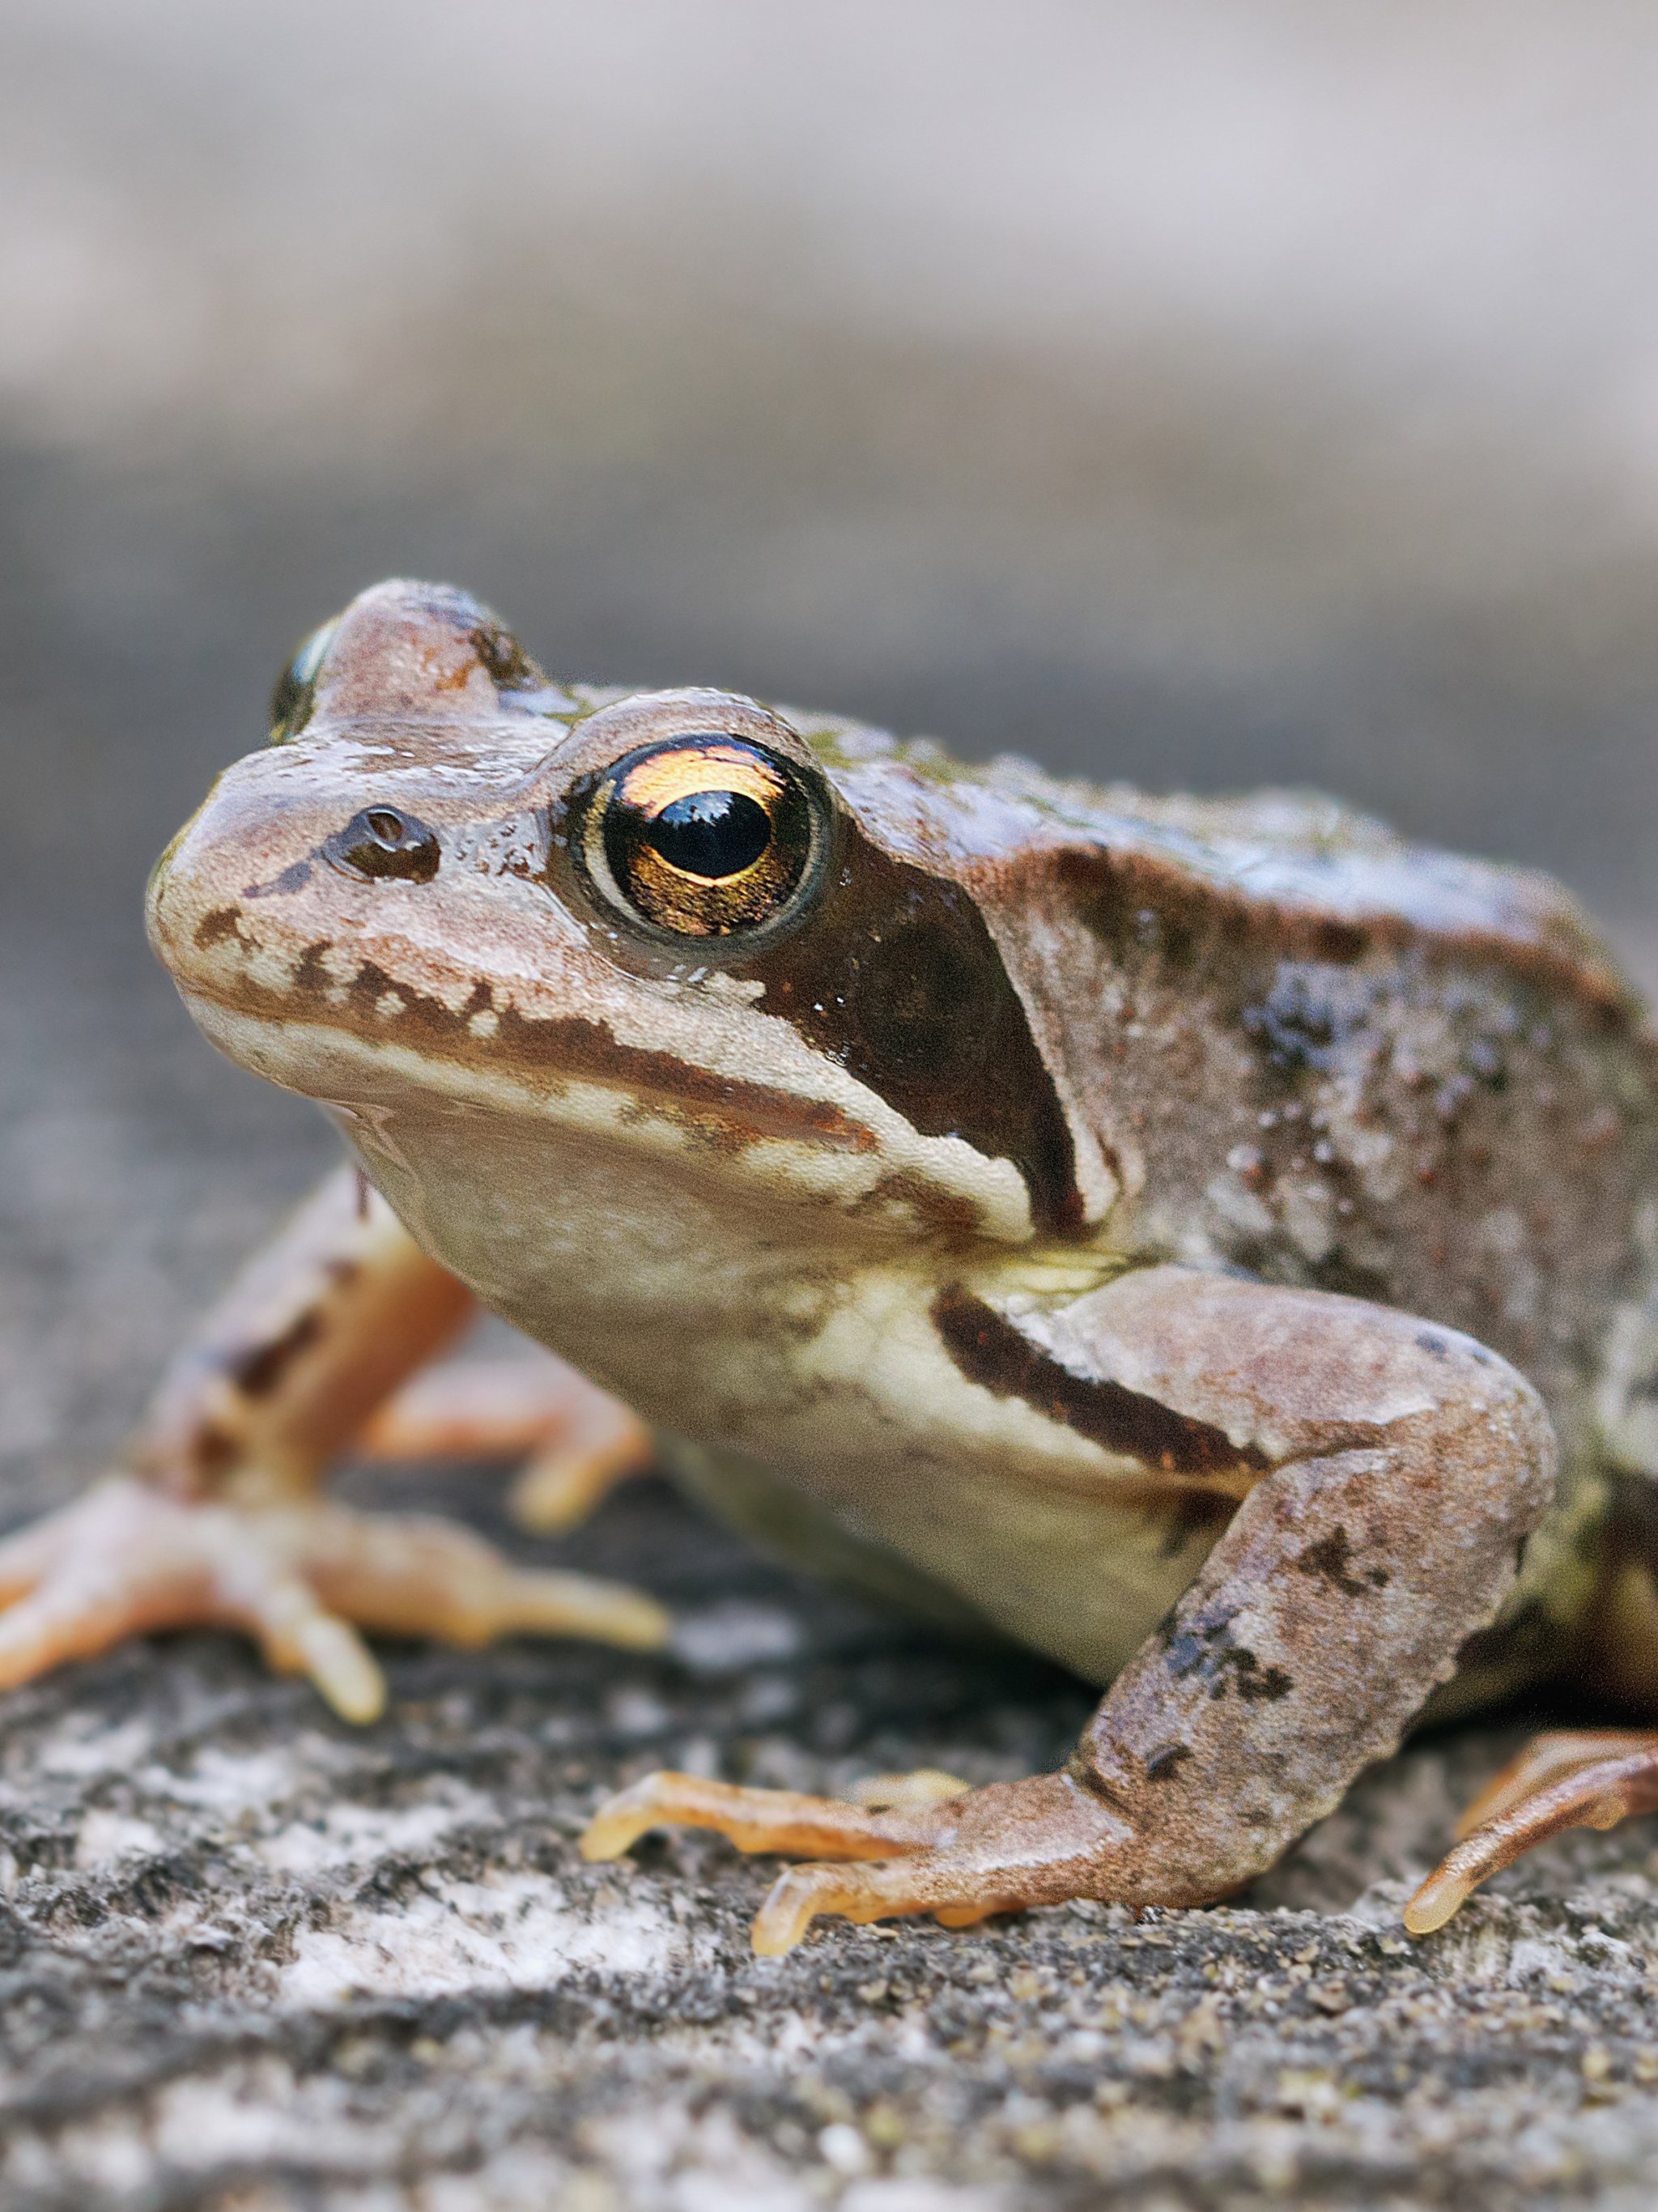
pixel 651 930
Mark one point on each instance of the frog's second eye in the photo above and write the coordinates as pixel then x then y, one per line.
pixel 296 687
pixel 704 836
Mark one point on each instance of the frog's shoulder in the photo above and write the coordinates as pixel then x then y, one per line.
pixel 1296 871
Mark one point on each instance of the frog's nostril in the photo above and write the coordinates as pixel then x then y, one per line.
pixel 383 842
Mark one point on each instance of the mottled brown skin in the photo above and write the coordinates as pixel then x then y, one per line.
pixel 1211 1241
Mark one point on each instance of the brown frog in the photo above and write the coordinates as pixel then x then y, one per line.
pixel 1211 1242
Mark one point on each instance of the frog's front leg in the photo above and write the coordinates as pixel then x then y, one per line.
pixel 1397 1467
pixel 214 1517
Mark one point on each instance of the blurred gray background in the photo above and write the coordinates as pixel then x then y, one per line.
pixel 1208 394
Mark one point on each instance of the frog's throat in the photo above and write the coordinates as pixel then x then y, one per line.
pixel 841 1150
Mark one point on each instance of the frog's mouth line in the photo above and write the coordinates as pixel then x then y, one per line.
pixel 512 1056
pixel 823 1155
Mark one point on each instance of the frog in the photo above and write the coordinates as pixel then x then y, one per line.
pixel 1210 1241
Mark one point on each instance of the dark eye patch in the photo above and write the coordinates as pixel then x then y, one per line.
pixel 899 980
pixel 923 995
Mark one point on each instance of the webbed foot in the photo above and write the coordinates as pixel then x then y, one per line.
pixel 302 1577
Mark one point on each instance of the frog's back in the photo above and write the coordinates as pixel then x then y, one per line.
pixel 1307 1050
pixel 1311 1050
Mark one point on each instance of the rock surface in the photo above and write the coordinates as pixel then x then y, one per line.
pixel 250 1958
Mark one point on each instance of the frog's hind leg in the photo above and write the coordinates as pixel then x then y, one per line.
pixel 1588 1779
pixel 576 1441
pixel 1313 1631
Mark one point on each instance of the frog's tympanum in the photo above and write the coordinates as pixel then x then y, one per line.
pixel 1211 1242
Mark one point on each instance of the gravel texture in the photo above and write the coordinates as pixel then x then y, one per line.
pixel 250 1958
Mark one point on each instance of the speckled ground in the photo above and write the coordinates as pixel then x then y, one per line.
pixel 251 1958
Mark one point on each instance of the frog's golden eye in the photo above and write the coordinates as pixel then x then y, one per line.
pixel 705 836
pixel 296 687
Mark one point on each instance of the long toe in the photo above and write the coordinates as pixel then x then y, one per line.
pixel 930 1847
pixel 116 1562
pixel 412 1575
pixel 782 1820
pixel 1546 1760
pixel 303 1579
pixel 576 1440
pixel 73 1617
pixel 957 1883
pixel 1596 1794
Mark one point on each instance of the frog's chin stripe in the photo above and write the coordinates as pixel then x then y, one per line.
pixel 879 1167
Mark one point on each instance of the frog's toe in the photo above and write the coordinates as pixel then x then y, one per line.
pixel 126 1557
pixel 929 1845
pixel 412 1575
pixel 921 1786
pixel 782 1820
pixel 1589 1779
pixel 885 1890
pixel 577 1442
pixel 571 1476
pixel 302 1579
pixel 998 1849
pixel 1545 1759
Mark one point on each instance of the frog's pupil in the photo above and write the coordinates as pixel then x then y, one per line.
pixel 712 834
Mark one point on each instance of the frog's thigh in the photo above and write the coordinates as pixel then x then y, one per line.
pixel 326 1320
pixel 1398 1466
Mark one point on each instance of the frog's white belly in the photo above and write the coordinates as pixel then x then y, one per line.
pixel 1075 1577
pixel 790 1339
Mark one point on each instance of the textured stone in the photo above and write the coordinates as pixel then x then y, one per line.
pixel 250 1958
